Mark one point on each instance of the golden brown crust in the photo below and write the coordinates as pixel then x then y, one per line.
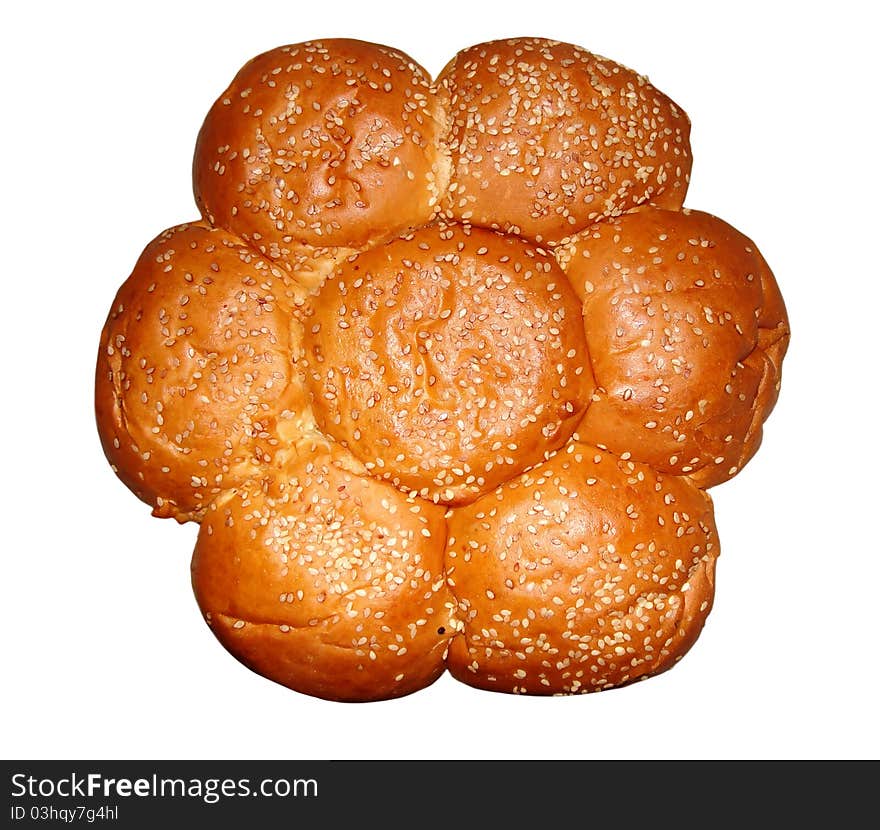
pixel 333 142
pixel 582 574
pixel 328 582
pixel 449 360
pixel 480 293
pixel 194 369
pixel 547 138
pixel 687 330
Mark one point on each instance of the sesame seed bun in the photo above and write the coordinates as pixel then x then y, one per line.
pixel 194 369
pixel 449 360
pixel 585 573
pixel 687 331
pixel 444 371
pixel 333 142
pixel 546 138
pixel 327 581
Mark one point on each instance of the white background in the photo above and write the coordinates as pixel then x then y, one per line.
pixel 104 652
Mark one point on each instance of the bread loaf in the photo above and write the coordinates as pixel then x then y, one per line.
pixel 444 371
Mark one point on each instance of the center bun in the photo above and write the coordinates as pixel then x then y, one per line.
pixel 448 360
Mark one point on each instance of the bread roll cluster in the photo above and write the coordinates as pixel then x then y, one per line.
pixel 443 371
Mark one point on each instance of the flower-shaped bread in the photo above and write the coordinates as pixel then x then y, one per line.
pixel 443 371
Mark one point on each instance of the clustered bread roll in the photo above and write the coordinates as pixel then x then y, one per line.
pixel 443 371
